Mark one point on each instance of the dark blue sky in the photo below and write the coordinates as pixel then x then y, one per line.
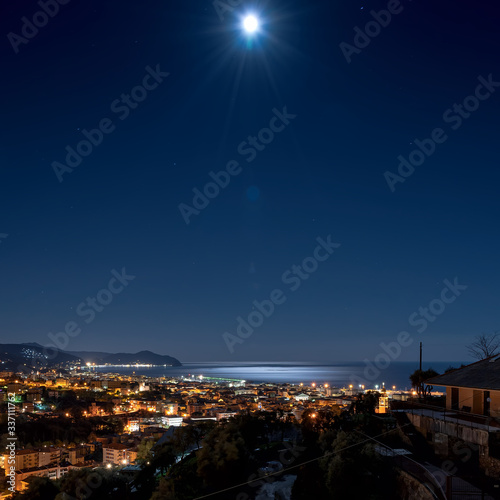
pixel 321 175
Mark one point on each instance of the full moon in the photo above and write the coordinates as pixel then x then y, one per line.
pixel 250 24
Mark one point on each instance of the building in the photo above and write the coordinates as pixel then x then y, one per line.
pixel 471 419
pixel 115 454
pixel 225 415
pixel 49 456
pixel 52 472
pixel 77 454
pixel 170 408
pixel 172 420
pixel 474 388
pixel 28 407
pixel 195 407
pixel 24 459
pixel 383 402
pixel 301 397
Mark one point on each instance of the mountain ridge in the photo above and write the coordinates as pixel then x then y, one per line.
pixel 34 355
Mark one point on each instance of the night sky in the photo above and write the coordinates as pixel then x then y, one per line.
pixel 326 167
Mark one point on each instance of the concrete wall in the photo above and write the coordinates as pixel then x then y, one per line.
pixel 445 436
pixel 450 428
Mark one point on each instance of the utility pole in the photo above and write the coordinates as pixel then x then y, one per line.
pixel 420 356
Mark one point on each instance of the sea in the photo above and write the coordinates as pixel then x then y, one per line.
pixel 335 374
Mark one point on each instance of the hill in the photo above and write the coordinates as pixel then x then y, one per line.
pixel 125 358
pixel 33 355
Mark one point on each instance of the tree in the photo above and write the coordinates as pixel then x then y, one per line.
pixel 484 345
pixel 163 457
pixel 197 431
pixel 94 484
pixel 165 491
pixel 144 450
pixel 354 470
pixel 418 378
pixel 181 440
pixel 366 403
pixel 40 488
pixel 222 456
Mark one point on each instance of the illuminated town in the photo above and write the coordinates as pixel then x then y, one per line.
pixel 128 413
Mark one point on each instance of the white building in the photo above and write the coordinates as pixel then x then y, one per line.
pixel 172 421
pixel 115 454
pixel 225 415
pixel 302 397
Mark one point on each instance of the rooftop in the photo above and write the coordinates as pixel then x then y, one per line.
pixel 484 374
